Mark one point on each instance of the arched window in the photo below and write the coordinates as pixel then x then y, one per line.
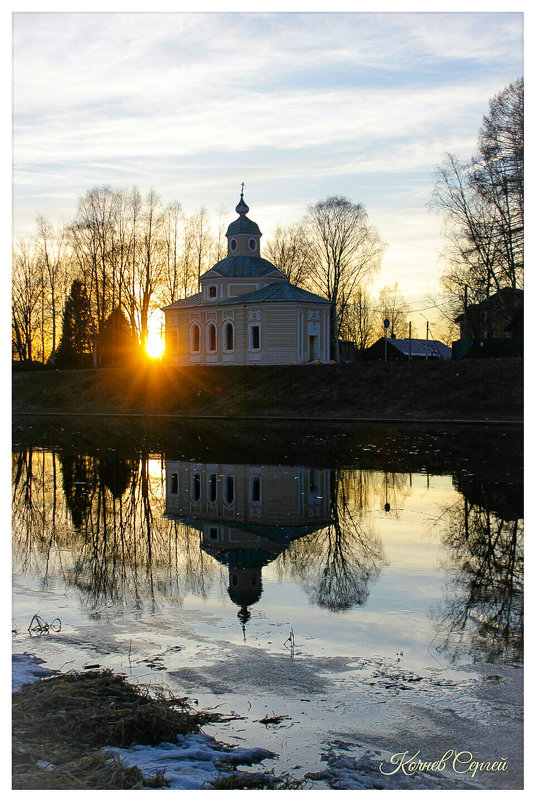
pixel 212 488
pixel 228 334
pixel 196 487
pixel 229 490
pixel 211 338
pixel 195 338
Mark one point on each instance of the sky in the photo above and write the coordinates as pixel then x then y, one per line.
pixel 298 105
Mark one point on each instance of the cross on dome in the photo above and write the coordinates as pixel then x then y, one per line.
pixel 242 207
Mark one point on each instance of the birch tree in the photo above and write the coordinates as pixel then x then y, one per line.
pixel 345 251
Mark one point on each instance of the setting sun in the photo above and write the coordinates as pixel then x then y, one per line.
pixel 155 345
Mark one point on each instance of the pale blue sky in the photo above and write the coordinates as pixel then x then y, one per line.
pixel 298 105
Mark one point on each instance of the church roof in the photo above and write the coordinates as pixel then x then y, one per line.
pixel 272 293
pixel 241 267
pixel 243 225
pixel 278 293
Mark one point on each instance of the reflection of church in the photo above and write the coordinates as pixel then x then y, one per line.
pixel 247 514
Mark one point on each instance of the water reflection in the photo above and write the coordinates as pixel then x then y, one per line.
pixel 249 515
pixel 128 534
pixel 482 614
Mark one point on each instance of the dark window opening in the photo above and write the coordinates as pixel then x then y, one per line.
pixel 196 487
pixel 255 337
pixel 196 339
pixel 211 338
pixel 212 488
pixel 174 483
pixel 229 489
pixel 229 336
pixel 212 292
pixel 255 489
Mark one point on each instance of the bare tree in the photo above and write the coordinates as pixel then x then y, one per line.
pixel 359 320
pixel 290 252
pixel 171 234
pixel 346 250
pixel 26 296
pixel 151 264
pixel 202 242
pixel 51 246
pixel 392 306
pixel 483 207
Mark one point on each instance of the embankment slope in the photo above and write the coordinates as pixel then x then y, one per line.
pixel 486 389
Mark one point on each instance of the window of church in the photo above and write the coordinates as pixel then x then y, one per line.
pixel 234 245
pixel 228 336
pixel 212 488
pixel 171 341
pixel 252 245
pixel 229 490
pixel 195 338
pixel 212 292
pixel 196 488
pixel 255 492
pixel 212 338
pixel 254 337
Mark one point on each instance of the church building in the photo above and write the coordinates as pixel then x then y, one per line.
pixel 247 312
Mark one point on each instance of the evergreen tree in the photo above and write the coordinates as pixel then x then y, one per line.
pixel 75 345
pixel 118 345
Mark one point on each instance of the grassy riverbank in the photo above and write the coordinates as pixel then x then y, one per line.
pixel 66 727
pixel 486 389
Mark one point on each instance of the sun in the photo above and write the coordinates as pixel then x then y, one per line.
pixel 155 345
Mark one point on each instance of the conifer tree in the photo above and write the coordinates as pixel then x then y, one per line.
pixel 75 345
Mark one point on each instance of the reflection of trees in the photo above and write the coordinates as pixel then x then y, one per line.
pixel 107 537
pixel 483 610
pixel 337 563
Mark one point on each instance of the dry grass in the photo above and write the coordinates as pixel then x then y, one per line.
pixel 477 388
pixel 242 780
pixel 61 723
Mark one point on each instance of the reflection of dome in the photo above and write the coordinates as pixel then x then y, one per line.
pixel 245 585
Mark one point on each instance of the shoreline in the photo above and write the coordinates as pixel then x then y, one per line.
pixel 285 418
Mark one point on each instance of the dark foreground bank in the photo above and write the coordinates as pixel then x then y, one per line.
pixel 486 389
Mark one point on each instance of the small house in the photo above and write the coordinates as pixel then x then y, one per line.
pixel 492 328
pixel 405 349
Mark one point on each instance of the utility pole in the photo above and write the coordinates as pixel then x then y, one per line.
pixel 427 340
pixel 410 340
pixel 386 323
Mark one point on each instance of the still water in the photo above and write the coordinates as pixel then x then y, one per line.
pixel 362 587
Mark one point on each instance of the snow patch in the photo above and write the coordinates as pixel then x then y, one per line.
pixel 193 762
pixel 26 668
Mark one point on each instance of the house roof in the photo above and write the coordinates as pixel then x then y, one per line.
pixel 241 267
pixel 419 347
pixel 505 300
pixel 272 293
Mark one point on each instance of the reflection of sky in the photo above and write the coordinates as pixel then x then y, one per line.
pixel 299 106
pixel 396 615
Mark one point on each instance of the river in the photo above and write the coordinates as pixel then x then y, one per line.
pixel 348 596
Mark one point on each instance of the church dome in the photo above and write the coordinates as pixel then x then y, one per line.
pixel 243 225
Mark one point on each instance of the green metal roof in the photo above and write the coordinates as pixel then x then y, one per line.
pixel 242 267
pixel 243 225
pixel 279 293
pixel 272 293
